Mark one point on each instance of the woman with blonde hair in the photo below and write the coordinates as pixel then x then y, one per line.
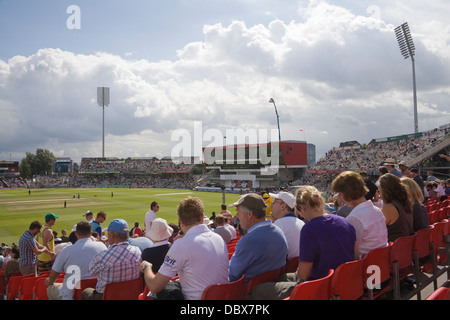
pixel 397 208
pixel 326 240
pixel 420 215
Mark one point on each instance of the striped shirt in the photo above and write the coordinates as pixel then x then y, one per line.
pixel 119 263
pixel 26 245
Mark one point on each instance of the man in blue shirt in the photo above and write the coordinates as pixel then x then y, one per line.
pixel 264 247
pixel 96 224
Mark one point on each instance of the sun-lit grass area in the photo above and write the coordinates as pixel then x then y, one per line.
pixel 18 208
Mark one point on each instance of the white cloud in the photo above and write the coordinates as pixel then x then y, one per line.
pixel 336 74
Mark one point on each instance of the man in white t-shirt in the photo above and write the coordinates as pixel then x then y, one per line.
pixel 200 257
pixel 283 216
pixel 150 216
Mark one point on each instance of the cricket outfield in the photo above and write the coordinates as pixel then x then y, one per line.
pixel 19 207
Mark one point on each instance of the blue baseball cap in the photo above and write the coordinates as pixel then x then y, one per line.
pixel 118 225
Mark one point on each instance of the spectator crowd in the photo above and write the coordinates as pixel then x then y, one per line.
pixel 339 221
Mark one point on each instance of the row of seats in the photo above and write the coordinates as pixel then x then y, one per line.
pixel 29 287
pixel 32 288
pixel 422 255
pixel 436 203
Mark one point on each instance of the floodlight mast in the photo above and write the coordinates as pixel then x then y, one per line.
pixel 407 49
pixel 278 118
pixel 102 101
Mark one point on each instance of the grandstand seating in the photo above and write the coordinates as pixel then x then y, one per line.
pixel 369 157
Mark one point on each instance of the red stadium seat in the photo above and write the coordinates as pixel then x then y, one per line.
pixel 40 289
pixel 319 289
pixel 381 258
pixel 442 293
pixel 423 262
pixel 84 283
pixel 401 259
pixel 12 289
pixel 269 276
pixel 2 283
pixel 228 291
pixel 26 288
pixel 347 281
pixel 124 290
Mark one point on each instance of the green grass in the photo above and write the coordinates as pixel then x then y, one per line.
pixel 18 209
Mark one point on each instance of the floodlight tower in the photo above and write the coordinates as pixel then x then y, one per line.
pixel 278 119
pixel 407 50
pixel 102 101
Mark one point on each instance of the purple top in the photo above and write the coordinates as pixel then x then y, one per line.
pixel 327 241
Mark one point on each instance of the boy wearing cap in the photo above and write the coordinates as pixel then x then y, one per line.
pixel 46 239
pixel 264 247
pixel 120 262
pixel 89 216
pixel 283 216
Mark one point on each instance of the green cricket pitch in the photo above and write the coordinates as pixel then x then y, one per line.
pixel 18 207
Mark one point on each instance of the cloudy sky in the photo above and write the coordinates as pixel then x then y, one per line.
pixel 181 69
